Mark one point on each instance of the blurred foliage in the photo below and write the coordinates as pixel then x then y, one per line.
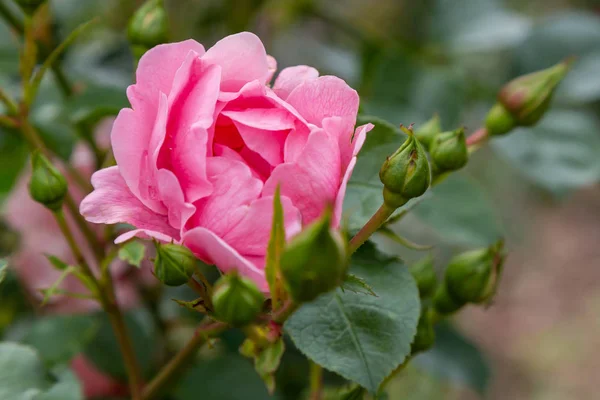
pixel 409 60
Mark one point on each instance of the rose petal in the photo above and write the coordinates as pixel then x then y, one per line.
pixel 172 196
pixel 290 77
pixel 312 181
pixel 214 250
pixel 272 63
pixel 234 189
pixel 249 237
pixel 327 96
pixel 243 59
pixel 112 202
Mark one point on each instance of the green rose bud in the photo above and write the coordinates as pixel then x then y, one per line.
pixel 424 273
pixel 472 277
pixel 174 264
pixel 237 300
pixel 405 174
pixel 528 97
pixel 148 27
pixel 499 121
pixel 426 132
pixel 315 261
pixel 444 303
pixel 47 185
pixel 425 336
pixel 29 7
pixel 448 151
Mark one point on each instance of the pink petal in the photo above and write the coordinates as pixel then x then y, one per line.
pixel 185 148
pixel 172 196
pixel 349 140
pixel 270 119
pixel 156 71
pixel 234 189
pixel 214 250
pixel 312 181
pixel 339 200
pixel 327 96
pixel 290 77
pixel 144 234
pixel 251 235
pixel 243 59
pixel 112 202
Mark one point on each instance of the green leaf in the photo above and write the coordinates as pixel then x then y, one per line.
pixel 355 284
pixel 362 338
pixel 267 362
pixel 228 377
pixel 59 338
pixel 104 351
pixel 274 249
pixel 459 211
pixel 3 269
pixel 455 359
pixel 133 252
pixel 13 153
pixel 559 154
pixel 23 377
pixel 57 262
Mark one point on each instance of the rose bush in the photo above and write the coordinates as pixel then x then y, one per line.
pixel 207 141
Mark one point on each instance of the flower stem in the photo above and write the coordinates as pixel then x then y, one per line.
pixel 170 371
pixel 476 139
pixel 378 219
pixel 109 303
pixel 284 312
pixel 316 381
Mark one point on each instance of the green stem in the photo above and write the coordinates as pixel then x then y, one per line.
pixel 79 258
pixel 476 139
pixel 285 311
pixel 378 219
pixel 316 381
pixel 172 370
pixel 7 14
pixel 84 227
pixel 201 290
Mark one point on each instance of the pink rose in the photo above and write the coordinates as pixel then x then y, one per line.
pixel 207 141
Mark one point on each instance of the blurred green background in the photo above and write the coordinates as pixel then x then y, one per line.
pixel 408 60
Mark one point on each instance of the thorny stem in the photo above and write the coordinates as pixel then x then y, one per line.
pixel 170 371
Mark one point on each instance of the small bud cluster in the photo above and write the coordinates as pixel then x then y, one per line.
pixel 148 27
pixel 47 185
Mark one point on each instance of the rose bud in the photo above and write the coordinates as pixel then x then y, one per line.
pixel 424 274
pixel 425 336
pixel 499 121
pixel 315 261
pixel 405 174
pixel 444 303
pixel 29 7
pixel 237 300
pixel 471 277
pixel 525 98
pixel 428 130
pixel 47 185
pixel 448 151
pixel 148 27
pixel 174 264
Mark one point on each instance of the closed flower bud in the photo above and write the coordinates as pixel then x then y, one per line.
pixel 30 6
pixel 528 97
pixel 444 303
pixel 448 151
pixel 426 132
pixel 47 185
pixel 499 121
pixel 174 264
pixel 471 277
pixel 148 27
pixel 425 336
pixel 237 300
pixel 315 261
pixel 424 273
pixel 405 174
